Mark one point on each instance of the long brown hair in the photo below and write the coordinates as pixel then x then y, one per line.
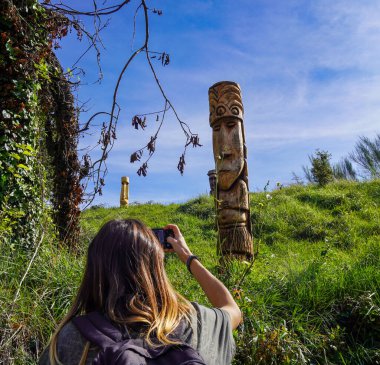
pixel 125 279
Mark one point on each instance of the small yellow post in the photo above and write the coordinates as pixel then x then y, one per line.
pixel 124 194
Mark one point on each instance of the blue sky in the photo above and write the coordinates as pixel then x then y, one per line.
pixel 309 73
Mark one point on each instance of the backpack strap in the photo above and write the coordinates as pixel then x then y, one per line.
pixel 168 354
pixel 117 349
pixel 97 329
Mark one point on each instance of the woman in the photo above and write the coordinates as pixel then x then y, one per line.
pixel 125 279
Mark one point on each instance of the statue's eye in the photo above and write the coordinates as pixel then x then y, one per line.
pixel 231 124
pixel 216 128
pixel 220 110
pixel 235 110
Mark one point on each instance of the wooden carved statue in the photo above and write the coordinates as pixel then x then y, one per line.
pixel 230 154
pixel 212 180
pixel 124 194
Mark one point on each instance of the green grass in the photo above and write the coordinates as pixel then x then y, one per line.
pixel 312 296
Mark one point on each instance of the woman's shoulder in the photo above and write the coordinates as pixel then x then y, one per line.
pixel 70 345
pixel 69 331
pixel 206 314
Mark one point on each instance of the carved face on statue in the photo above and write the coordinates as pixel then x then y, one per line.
pixel 226 118
pixel 228 148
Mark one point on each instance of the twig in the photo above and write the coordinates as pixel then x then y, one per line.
pixel 14 334
pixel 28 268
pixel 245 273
pixel 108 143
pixel 65 9
pixel 134 26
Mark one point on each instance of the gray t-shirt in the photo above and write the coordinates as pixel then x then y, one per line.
pixel 210 333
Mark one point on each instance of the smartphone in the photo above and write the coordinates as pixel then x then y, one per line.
pixel 162 235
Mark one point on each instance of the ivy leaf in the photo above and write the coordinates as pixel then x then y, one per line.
pixel 22 166
pixel 15 156
pixel 10 50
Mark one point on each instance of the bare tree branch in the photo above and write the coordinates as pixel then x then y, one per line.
pixel 62 8
pixel 96 171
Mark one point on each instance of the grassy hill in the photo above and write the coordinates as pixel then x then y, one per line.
pixel 311 297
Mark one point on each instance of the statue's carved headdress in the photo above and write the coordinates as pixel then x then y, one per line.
pixel 225 101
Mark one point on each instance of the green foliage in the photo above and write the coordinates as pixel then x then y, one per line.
pixel 23 175
pixel 344 170
pixel 38 140
pixel 367 155
pixel 312 296
pixel 321 170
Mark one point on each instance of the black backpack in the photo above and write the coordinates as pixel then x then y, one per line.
pixel 119 349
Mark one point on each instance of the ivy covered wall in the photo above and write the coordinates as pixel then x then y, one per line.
pixel 24 74
pixel 39 168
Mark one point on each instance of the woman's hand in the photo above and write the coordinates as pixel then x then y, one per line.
pixel 178 242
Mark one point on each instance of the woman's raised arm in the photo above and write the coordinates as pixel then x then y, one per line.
pixel 215 290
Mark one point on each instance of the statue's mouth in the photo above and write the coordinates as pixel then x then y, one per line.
pixel 228 168
pixel 226 171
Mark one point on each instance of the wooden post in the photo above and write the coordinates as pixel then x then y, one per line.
pixel 212 180
pixel 124 194
pixel 230 154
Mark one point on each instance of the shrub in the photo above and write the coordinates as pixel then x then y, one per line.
pixel 321 171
